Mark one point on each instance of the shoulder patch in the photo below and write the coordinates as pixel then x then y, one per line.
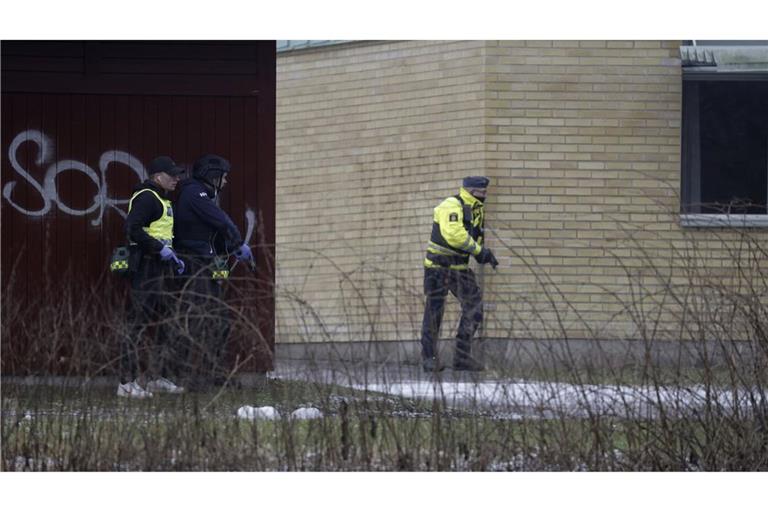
pixel 454 217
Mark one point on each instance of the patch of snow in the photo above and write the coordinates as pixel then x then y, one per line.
pixel 249 412
pixel 21 463
pixel 306 413
pixel 545 398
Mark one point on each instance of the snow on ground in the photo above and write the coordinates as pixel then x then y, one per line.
pixel 514 399
pixel 547 397
pixel 306 413
pixel 489 395
pixel 249 412
pixel 268 412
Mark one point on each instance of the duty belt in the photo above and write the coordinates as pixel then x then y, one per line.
pixel 220 270
pixel 447 261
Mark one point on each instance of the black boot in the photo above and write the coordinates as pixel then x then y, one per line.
pixel 468 365
pixel 431 365
pixel 463 362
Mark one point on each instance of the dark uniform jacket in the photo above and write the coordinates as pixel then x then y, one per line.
pixel 199 222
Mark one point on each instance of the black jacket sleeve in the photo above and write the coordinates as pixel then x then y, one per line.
pixel 144 211
pixel 210 213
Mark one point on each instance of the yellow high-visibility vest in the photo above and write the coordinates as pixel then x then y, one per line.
pixel 457 232
pixel 162 228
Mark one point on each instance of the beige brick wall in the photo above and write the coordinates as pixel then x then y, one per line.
pixel 582 140
pixel 369 137
pixel 585 143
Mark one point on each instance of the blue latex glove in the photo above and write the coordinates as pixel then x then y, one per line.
pixel 244 253
pixel 180 266
pixel 166 253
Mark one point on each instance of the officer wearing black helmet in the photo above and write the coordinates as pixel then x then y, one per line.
pixel 458 224
pixel 203 232
pixel 200 222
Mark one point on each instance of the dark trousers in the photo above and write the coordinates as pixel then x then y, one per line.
pixel 148 314
pixel 463 285
pixel 206 320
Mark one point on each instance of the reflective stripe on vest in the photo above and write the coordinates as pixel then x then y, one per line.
pixel 162 228
pixel 441 254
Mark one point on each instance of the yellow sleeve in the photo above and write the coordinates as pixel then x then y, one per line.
pixel 450 217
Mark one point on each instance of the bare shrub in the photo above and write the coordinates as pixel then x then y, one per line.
pixel 682 389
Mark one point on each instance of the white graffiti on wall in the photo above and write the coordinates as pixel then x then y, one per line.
pixel 250 220
pixel 48 190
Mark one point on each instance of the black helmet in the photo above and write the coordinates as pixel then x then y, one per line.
pixel 209 169
pixel 205 166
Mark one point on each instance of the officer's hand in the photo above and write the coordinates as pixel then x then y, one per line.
pixel 244 253
pixel 493 261
pixel 180 266
pixel 486 256
pixel 166 253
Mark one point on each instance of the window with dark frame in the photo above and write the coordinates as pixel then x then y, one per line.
pixel 725 145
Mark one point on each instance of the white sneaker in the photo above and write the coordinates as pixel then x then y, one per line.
pixel 163 385
pixel 132 390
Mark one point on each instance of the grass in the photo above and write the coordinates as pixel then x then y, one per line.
pixel 63 429
pixel 55 428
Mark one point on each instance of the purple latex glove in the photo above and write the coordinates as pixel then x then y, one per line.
pixel 180 266
pixel 166 253
pixel 244 253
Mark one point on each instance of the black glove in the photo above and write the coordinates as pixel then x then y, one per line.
pixel 486 256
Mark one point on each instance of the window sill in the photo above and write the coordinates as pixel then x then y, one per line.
pixel 706 220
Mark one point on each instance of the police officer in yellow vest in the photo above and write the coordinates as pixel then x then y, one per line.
pixel 149 227
pixel 457 234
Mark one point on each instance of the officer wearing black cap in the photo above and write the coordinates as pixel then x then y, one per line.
pixel 149 228
pixel 457 233
pixel 202 232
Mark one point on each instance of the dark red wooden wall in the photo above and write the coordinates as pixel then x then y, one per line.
pixel 81 119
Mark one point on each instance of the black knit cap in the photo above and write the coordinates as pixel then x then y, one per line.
pixel 475 182
pixel 164 164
